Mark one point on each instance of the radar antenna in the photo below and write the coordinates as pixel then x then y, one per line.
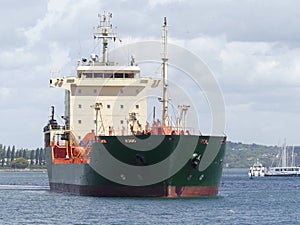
pixel 105 31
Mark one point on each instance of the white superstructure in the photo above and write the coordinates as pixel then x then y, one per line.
pixel 102 95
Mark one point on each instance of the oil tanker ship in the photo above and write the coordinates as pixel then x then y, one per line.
pixel 105 146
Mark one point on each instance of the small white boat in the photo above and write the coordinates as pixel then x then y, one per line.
pixel 257 170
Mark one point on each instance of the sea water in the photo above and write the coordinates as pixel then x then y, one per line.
pixel 25 199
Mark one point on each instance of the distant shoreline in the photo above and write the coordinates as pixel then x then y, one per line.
pixel 22 170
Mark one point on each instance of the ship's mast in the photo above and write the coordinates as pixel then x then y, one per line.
pixel 105 31
pixel 165 76
pixel 284 156
pixel 293 156
pixel 52 113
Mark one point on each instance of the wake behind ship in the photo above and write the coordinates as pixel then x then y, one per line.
pixel 106 147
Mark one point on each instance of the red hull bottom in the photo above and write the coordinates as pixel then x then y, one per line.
pixel 130 191
pixel 192 191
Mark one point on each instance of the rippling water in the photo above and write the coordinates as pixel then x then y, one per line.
pixel 25 199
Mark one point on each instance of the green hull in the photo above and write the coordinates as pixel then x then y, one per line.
pixel 161 166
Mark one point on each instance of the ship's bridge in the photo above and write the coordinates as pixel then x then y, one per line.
pixel 107 70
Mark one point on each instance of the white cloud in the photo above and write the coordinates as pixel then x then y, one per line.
pixel 59 56
pixel 4 93
pixel 295 68
pixel 15 58
pixel 56 10
pixel 154 3
pixel 266 67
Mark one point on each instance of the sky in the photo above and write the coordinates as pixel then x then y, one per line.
pixel 251 46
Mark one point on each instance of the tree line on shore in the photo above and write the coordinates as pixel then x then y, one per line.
pixel 10 157
pixel 239 155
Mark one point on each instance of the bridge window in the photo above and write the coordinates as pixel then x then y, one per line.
pixel 119 75
pixel 87 75
pixel 129 75
pixel 108 75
